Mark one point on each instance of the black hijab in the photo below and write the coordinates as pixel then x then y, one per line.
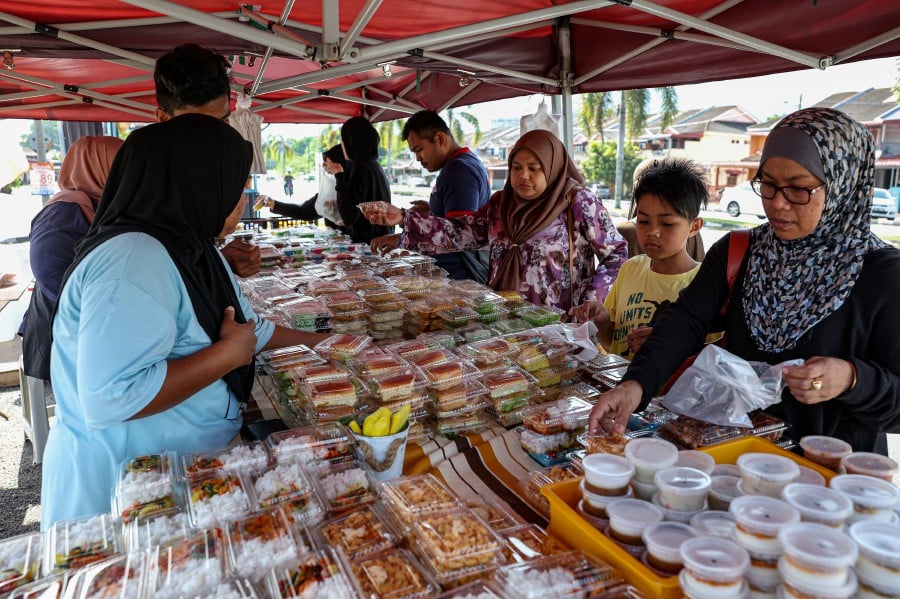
pixel 178 181
pixel 360 139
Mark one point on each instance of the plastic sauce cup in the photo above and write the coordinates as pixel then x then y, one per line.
pixel 644 491
pixel 825 451
pixel 869 589
pixel 879 553
pixel 722 491
pixel 663 541
pixel 672 515
pixel 682 489
pixel 607 474
pixel 766 474
pixel 713 568
pixel 791 589
pixel 873 498
pixel 869 464
pixel 758 521
pixel 691 458
pixel 816 555
pixel 648 455
pixel 714 523
pixel 595 504
pixel 820 505
pixel 629 517
pixel 726 470
pixel 810 477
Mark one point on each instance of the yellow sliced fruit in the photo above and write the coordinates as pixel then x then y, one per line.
pixel 398 420
pixel 354 426
pixel 381 427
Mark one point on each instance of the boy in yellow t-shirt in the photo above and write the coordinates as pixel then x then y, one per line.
pixel 669 196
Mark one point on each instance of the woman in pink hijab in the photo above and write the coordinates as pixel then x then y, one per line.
pixel 55 232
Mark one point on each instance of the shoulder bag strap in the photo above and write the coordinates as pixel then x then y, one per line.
pixel 738 243
pixel 570 218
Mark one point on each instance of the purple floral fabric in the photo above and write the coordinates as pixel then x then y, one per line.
pixel 599 249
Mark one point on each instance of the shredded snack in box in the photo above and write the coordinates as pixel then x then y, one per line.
pixel 457 539
pixel 360 532
pixel 409 497
pixel 394 574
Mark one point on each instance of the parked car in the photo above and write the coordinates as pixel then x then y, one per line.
pixel 884 205
pixel 601 190
pixel 741 199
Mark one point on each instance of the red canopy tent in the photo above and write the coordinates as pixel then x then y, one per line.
pixel 323 62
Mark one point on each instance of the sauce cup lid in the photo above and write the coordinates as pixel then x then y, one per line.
pixel 867 491
pixel 664 539
pixel 765 515
pixel 825 445
pixel 818 503
pixel 768 467
pixel 715 559
pixel 651 452
pixel 878 541
pixel 818 545
pixel 633 512
pixel 613 468
pixel 680 480
pixel 873 464
pixel 713 523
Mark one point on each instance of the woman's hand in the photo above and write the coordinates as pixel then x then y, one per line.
pixel 385 243
pixel 238 339
pixel 591 310
pixel 613 408
pixel 819 379
pixel 382 213
pixel 264 201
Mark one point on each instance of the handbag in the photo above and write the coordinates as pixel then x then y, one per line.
pixel 738 243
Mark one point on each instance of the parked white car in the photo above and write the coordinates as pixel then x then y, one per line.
pixel 741 199
pixel 884 205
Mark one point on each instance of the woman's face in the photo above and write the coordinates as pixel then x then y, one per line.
pixel 234 218
pixel 792 221
pixel 526 175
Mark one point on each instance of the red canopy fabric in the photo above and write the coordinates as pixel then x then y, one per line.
pixel 92 61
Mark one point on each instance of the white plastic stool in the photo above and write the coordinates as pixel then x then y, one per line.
pixel 35 413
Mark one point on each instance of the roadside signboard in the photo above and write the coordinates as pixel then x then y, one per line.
pixel 43 181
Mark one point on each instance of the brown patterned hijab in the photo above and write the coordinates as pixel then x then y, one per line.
pixel 523 219
pixel 83 173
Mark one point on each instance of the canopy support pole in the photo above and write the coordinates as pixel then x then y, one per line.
pixel 564 33
pixel 285 13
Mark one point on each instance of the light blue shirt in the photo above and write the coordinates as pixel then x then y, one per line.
pixel 122 314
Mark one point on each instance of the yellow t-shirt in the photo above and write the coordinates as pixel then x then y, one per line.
pixel 637 294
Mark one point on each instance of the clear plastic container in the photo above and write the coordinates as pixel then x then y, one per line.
pixel 342 347
pixel 284 481
pixel 820 505
pixel 531 485
pixel 726 470
pixel 674 515
pixel 319 373
pixel 869 464
pixel 879 552
pixel 528 542
pixel 450 374
pixel 612 444
pixel 316 574
pixel 362 531
pixel 869 589
pixel 493 512
pixel 759 519
pixel 809 476
pixel 563 415
pixel 722 491
pixel 214 500
pixel 331 394
pixel 795 589
pixel 682 489
pixel 815 554
pixel 146 484
pixel 160 528
pixel 713 567
pixel 345 486
pixel 873 498
pixel 507 382
pixel 247 457
pixel 456 539
pixel 411 497
pixel 76 543
pixel 190 567
pixel 663 541
pixel 539 315
pixel 644 491
pixel 565 575
pixel 766 474
pixel 20 561
pixel 595 504
pixel 323 443
pixel 648 455
pixel 825 451
pixel 117 576
pixel 629 517
pixel 714 523
pixel 48 587
pixel 260 542
pixel 691 458
pixel 392 574
pixel 477 589
pixel 489 351
pixel 607 474
pixel 456 318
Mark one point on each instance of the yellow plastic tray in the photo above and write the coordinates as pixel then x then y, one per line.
pixel 567 525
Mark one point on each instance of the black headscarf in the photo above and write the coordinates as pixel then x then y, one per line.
pixel 360 139
pixel 178 181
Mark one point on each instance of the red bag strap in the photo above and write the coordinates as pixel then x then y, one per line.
pixel 738 243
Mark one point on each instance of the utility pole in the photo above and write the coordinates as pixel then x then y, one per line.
pixel 41 150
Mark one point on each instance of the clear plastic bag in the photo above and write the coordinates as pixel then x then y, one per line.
pixel 721 388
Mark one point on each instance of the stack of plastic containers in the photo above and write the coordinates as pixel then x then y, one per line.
pixel 146 484
pixel 628 518
pixel 817 562
pixel 386 308
pixel 458 397
pixel 682 492
pixel 649 455
pixel 758 520
pixel 878 563
pixel 348 313
pixel 713 569
pixel 549 430
pixel 872 498
pixel 606 478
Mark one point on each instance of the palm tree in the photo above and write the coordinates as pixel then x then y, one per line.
pixel 596 108
pixel 277 148
pixel 456 129
pixel 329 137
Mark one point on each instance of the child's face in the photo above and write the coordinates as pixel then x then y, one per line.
pixel 662 232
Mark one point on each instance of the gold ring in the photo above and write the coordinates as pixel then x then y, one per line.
pixel 816 385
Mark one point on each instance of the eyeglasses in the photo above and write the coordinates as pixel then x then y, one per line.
pixel 794 195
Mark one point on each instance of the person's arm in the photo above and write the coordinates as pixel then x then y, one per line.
pixel 610 248
pixel 429 233
pixel 304 211
pixel 54 234
pixel 285 337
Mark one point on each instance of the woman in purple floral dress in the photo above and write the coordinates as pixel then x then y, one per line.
pixel 525 225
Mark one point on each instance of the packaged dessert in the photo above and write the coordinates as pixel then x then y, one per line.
pixel 345 486
pixel 342 347
pixel 76 543
pixel 564 575
pixel 489 351
pixel 146 484
pixel 766 474
pixel 320 287
pixel 873 498
pixel 393 268
pixel 411 497
pixel 315 575
pixel 432 358
pixel 663 541
pixel 496 315
pixel 259 542
pixel 878 564
pixel 392 574
pixel 333 393
pixel 329 442
pixel 20 561
pixel 527 542
pixel 455 318
pixel 218 499
pixel 564 415
pixel 158 528
pixel 869 464
pixel 816 554
pixel 531 358
pixel 824 450
pixel 117 576
pixel 610 443
pixel 474 332
pixel 449 374
pixel 628 517
pixel 531 485
pixel 713 567
pixel 412 286
pixel 361 531
pixel 382 295
pixel 546 449
pixel 319 373
pixel 344 305
pixel 378 363
pixel 306 314
pixel 441 339
pixel 450 425
pixel 819 504
pixel 284 481
pixel 515 402
pixel 456 396
pixel 247 457
pixel 190 567
pixel 539 315
pixel 286 357
pixel 487 302
pixel 759 519
pixel 403 383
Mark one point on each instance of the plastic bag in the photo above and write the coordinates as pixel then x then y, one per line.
pixel 582 335
pixel 721 388
pixel 326 201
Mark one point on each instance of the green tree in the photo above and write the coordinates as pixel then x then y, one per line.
pixel 598 107
pixel 600 164
pixel 595 108
pixel 330 136
pixel 456 128
pixel 278 149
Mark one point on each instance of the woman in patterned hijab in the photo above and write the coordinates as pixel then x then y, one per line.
pixel 815 284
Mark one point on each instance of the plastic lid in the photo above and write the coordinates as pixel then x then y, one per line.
pixel 615 471
pixel 810 477
pixel 651 453
pixel 393 574
pixel 362 531
pixel 633 513
pixel 691 458
pixel 715 559
pixel 768 467
pixel 764 515
pixel 878 541
pixel 664 539
pixel 726 470
pixel 873 464
pixel 725 487
pixel 818 504
pixel 825 446
pixel 866 491
pixel 803 588
pixel 713 523
pixel 680 480
pixel 817 545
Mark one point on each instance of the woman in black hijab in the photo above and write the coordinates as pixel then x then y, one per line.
pixel 364 182
pixel 152 340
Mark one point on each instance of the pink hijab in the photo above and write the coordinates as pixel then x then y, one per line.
pixel 83 173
